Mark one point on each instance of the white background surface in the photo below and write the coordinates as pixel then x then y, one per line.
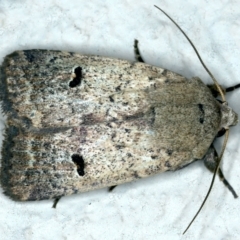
pixel 159 207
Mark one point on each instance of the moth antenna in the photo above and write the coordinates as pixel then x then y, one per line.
pixel 224 100
pixel 213 179
pixel 199 57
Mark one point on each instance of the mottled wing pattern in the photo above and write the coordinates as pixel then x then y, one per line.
pixel 77 123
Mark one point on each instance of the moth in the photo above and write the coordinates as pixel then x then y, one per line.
pixel 76 123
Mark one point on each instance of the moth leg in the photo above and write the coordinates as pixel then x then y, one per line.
pixel 111 188
pixel 56 200
pixel 137 53
pixel 210 160
pixel 229 89
pixel 225 90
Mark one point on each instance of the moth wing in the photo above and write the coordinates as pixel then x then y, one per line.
pixel 77 123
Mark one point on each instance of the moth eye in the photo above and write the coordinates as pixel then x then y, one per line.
pixel 77 79
pixel 79 162
pixel 221 132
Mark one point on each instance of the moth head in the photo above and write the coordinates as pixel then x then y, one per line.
pixel 229 117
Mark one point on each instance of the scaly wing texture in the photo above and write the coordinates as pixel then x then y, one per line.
pixel 120 122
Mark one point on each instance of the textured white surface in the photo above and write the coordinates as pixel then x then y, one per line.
pixel 159 207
